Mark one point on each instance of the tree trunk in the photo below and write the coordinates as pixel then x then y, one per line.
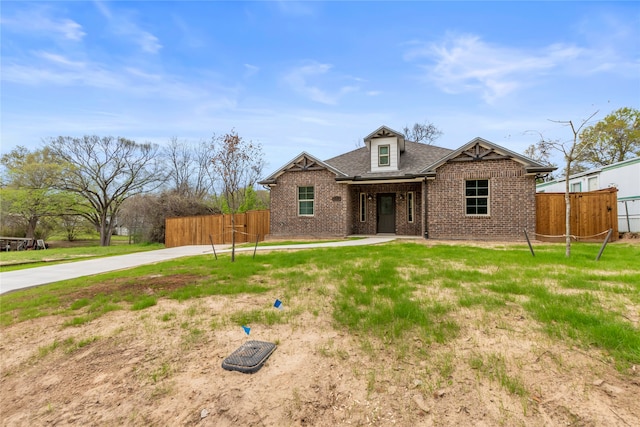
pixel 105 233
pixel 567 202
pixel 233 237
pixel 31 227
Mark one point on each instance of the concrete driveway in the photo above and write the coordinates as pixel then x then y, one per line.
pixel 22 279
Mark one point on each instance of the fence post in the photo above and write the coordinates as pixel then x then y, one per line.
pixel 256 247
pixel 213 247
pixel 604 244
pixel 529 243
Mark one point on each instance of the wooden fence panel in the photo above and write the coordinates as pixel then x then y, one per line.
pixel 195 230
pixel 258 223
pixel 592 214
pixel 240 226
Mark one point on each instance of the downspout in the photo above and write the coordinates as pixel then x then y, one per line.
pixel 425 216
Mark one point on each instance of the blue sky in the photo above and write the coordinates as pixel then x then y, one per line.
pixel 312 76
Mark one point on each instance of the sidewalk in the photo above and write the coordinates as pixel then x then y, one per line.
pixel 21 279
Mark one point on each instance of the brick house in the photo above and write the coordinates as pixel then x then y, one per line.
pixel 479 191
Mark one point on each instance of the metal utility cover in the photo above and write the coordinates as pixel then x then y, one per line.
pixel 249 357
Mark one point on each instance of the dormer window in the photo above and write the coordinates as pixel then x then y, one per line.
pixel 383 155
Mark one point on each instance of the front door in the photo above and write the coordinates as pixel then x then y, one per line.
pixel 386 213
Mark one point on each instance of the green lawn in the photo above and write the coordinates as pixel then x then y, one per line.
pixel 16 260
pixel 388 292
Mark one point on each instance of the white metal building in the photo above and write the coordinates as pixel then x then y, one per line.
pixel 625 176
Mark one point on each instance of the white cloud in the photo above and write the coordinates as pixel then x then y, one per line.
pixel 465 63
pixel 123 25
pixel 299 80
pixel 250 70
pixel 70 29
pixel 60 60
pixel 46 69
pixel 136 72
pixel 60 71
pixel 39 21
pixel 103 9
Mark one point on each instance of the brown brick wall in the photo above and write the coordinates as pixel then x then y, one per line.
pixel 331 208
pixel 511 204
pixel 511 201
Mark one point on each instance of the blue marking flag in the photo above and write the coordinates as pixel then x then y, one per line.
pixel 246 329
pixel 278 304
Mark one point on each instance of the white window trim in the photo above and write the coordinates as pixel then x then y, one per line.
pixel 388 155
pixel 313 201
pixel 362 214
pixel 488 197
pixel 411 207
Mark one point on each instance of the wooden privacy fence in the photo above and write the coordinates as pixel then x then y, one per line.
pixel 593 213
pixel 195 230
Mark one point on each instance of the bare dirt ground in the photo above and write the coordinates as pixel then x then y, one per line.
pixel 162 366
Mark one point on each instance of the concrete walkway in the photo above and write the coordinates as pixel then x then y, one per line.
pixel 26 278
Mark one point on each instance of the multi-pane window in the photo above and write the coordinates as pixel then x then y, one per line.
pixel 305 201
pixel 410 206
pixel 576 187
pixel 477 196
pixel 383 155
pixel 363 207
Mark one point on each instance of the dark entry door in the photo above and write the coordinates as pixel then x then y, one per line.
pixel 386 213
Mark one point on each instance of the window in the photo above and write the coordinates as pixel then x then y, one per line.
pixel 593 183
pixel 410 206
pixel 383 155
pixel 576 187
pixel 305 201
pixel 477 196
pixel 363 207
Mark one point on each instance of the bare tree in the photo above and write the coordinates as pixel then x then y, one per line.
pixel 105 171
pixel 572 151
pixel 190 171
pixel 238 165
pixel 424 133
pixel 145 214
pixel 533 152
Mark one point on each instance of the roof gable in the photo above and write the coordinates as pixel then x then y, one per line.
pixel 480 149
pixel 301 163
pixel 385 132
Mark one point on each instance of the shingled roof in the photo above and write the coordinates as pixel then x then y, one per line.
pixel 356 164
pixel 416 160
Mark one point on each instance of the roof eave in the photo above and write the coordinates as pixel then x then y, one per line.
pixel 359 178
pixel 539 169
pixel 268 182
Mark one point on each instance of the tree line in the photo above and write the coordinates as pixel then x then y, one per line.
pixel 103 182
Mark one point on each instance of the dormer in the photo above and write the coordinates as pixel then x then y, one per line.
pixel 385 146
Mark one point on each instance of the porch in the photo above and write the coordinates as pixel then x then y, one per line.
pixel 394 209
